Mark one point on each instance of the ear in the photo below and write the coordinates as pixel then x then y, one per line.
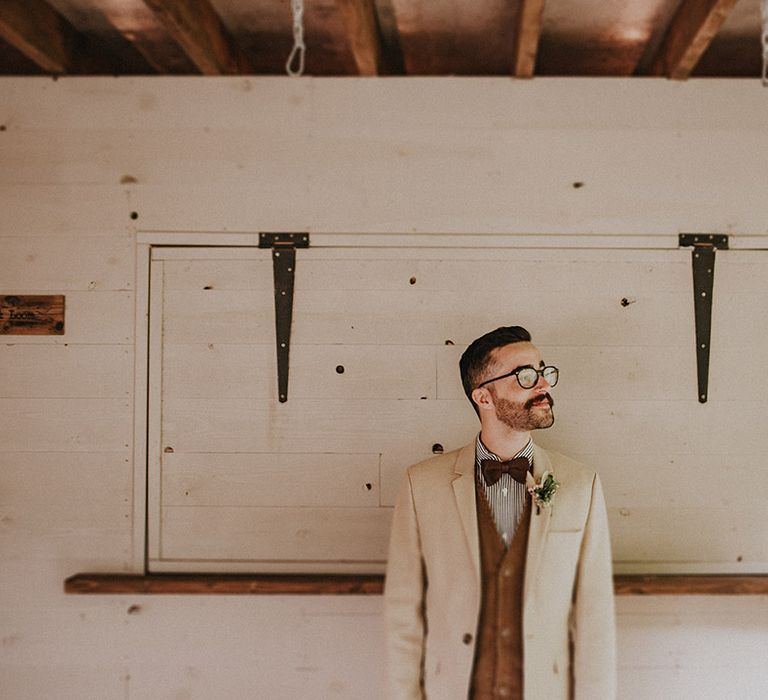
pixel 483 399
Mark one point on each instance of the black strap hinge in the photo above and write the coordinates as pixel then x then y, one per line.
pixel 283 247
pixel 703 259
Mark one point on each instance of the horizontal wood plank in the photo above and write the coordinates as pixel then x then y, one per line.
pixel 66 424
pixel 66 263
pixel 706 480
pixel 218 370
pixel 435 316
pixel 724 538
pixel 371 584
pixel 68 209
pixel 405 249
pixel 409 269
pixel 286 479
pixel 287 534
pixel 65 489
pixel 358 371
pixel 65 371
pixel 305 425
pixel 32 679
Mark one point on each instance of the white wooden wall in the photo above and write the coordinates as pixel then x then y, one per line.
pixel 78 156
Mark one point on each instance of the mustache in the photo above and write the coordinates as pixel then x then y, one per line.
pixel 530 402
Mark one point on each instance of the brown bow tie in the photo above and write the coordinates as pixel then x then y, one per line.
pixel 493 469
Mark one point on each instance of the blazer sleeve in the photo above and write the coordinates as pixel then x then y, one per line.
pixel 593 620
pixel 404 601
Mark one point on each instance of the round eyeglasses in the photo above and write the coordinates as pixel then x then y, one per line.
pixel 528 377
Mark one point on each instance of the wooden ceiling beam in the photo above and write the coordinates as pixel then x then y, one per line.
pixel 363 34
pixel 143 31
pixel 199 31
pixel 527 33
pixel 39 32
pixel 691 31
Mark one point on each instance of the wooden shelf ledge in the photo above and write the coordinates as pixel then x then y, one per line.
pixel 691 584
pixel 373 584
pixel 227 584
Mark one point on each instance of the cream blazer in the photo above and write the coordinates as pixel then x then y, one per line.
pixel 432 590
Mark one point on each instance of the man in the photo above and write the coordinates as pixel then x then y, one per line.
pixel 499 584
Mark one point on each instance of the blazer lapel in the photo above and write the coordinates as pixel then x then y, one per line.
pixel 464 491
pixel 537 533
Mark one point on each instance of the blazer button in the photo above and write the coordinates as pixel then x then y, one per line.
pixel 467 638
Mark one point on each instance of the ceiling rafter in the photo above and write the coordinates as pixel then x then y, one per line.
pixel 527 33
pixel 199 31
pixel 46 37
pixel 161 53
pixel 40 33
pixel 362 30
pixel 691 31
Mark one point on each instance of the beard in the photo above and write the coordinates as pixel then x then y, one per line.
pixel 523 417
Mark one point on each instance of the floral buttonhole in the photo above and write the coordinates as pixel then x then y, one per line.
pixel 543 490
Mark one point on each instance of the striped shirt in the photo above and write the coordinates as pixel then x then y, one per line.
pixel 506 497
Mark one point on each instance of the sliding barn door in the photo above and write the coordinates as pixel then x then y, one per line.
pixel 239 481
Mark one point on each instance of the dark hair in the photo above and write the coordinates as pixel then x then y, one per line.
pixel 476 357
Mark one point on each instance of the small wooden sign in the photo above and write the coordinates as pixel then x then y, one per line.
pixel 32 314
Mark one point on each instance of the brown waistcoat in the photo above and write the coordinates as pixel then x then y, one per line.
pixel 498 667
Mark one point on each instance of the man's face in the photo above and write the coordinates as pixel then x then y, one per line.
pixel 519 409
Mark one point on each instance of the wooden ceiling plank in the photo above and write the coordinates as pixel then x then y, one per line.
pixel 39 32
pixel 363 34
pixel 527 33
pixel 692 29
pixel 197 28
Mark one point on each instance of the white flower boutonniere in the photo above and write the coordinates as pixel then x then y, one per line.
pixel 543 490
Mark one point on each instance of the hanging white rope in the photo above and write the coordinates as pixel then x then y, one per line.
pixel 297 53
pixel 764 6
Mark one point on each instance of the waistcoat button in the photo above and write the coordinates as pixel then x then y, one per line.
pixel 467 638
